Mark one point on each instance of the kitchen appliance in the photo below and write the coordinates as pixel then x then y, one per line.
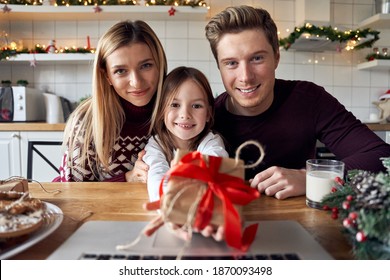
pixel 382 6
pixel 21 104
pixel 58 108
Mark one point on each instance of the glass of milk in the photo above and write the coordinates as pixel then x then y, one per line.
pixel 320 179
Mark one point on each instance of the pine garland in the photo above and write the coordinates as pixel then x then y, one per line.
pixel 332 34
pixel 373 56
pixel 362 204
pixel 192 3
pixel 6 53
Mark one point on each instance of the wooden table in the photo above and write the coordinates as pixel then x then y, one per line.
pixel 123 201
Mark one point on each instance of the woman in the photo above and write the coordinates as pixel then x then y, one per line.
pixel 106 133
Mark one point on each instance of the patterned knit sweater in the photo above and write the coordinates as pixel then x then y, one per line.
pixel 132 140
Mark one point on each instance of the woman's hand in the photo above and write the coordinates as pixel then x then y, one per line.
pixel 140 170
pixel 280 182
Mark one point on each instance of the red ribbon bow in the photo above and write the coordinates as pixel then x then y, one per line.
pixel 229 189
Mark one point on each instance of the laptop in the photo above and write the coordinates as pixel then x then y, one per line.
pixel 285 239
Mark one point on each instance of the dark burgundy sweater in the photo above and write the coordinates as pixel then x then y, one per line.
pixel 301 113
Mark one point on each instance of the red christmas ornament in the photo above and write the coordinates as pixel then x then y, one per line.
pixel 349 197
pixel 333 190
pixel 97 9
pixel 172 11
pixel 6 9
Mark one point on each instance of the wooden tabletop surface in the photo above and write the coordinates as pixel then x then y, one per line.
pixel 123 201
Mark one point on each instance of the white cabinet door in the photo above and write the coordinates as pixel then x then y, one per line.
pixel 47 151
pixel 9 154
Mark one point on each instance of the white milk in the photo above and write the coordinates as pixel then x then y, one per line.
pixel 319 184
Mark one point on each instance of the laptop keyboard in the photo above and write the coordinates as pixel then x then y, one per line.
pixel 287 256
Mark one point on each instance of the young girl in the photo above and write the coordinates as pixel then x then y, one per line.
pixel 183 120
pixel 105 134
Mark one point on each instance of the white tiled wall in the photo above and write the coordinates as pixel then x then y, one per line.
pixel 185 44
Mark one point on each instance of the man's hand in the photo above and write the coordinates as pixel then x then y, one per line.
pixel 280 182
pixel 140 170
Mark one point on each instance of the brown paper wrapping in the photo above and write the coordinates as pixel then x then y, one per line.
pixel 182 195
pixel 17 185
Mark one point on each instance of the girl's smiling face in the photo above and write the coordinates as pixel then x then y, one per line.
pixel 187 114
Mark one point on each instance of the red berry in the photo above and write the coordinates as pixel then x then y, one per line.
pixel 347 223
pixel 349 197
pixel 346 205
pixel 335 210
pixel 353 216
pixel 361 237
pixel 339 181
pixel 334 216
pixel 326 208
pixel 333 190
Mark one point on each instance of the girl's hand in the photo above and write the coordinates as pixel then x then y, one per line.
pixel 140 170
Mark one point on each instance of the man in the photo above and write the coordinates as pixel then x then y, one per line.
pixel 286 117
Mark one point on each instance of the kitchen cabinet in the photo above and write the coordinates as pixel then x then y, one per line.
pixel 378 21
pixel 14 154
pixel 10 163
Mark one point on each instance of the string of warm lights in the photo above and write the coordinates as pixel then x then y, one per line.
pixel 192 3
pixel 352 38
pixel 12 48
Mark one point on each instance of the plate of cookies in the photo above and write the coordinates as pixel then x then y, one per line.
pixel 25 221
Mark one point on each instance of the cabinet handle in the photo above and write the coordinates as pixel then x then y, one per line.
pixel 15 135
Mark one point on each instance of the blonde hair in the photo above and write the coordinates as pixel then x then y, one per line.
pixel 170 88
pixel 237 19
pixel 97 122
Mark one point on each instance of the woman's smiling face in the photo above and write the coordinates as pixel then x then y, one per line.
pixel 133 73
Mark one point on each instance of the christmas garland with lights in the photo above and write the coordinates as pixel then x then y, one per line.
pixel 6 53
pixel 192 3
pixel 373 56
pixel 332 34
pixel 362 204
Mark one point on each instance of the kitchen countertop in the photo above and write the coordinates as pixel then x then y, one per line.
pixel 32 126
pixel 379 126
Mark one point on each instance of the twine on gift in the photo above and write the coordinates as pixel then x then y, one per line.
pixel 229 189
pixel 236 191
pixel 20 178
pixel 247 143
pixel 186 227
pixel 238 152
